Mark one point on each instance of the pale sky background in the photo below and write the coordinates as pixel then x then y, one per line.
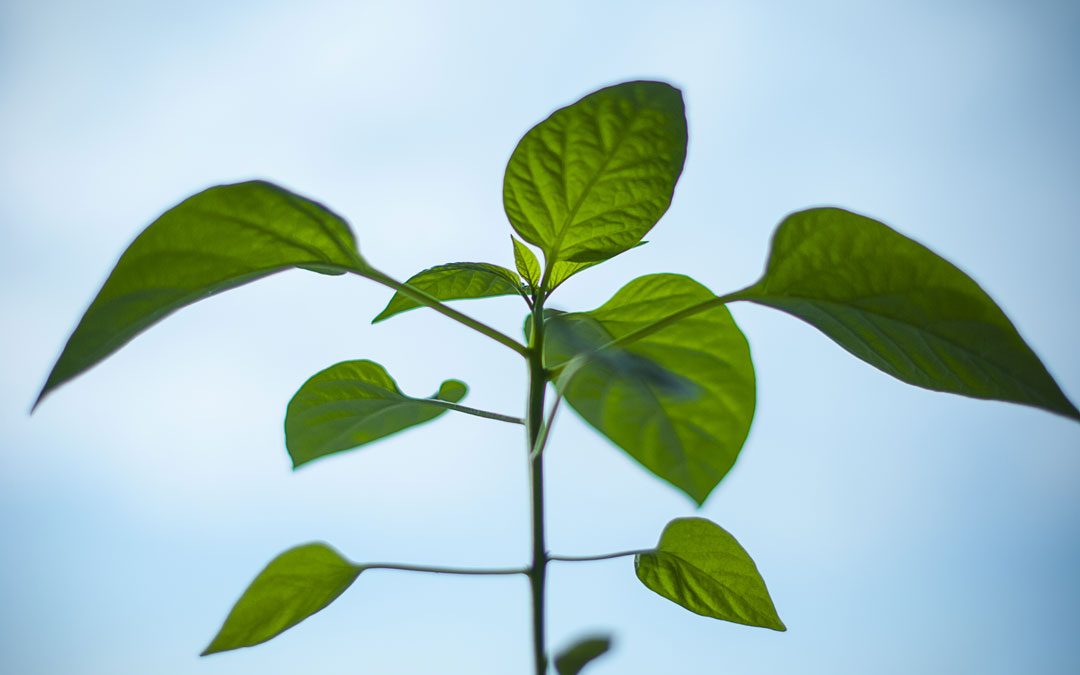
pixel 900 531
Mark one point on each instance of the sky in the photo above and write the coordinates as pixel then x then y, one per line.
pixel 898 530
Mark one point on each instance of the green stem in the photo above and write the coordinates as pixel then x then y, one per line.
pixel 445 570
pixel 602 556
pixel 429 301
pixel 534 423
pixel 476 411
pixel 645 331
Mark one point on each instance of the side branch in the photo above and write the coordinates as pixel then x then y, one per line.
pixel 428 301
pixel 446 570
pixel 477 412
pixel 602 556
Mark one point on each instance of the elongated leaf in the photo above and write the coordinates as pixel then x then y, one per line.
pixel 527 264
pixel 216 240
pixel 701 567
pixel 902 308
pixel 455 281
pixel 590 180
pixel 295 585
pixel 574 658
pixel 353 403
pixel 679 400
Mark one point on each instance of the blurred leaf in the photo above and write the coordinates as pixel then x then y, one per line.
pixel 455 281
pixel 216 240
pixel 295 585
pixel 571 660
pixel 679 400
pixel 590 180
pixel 353 403
pixel 900 307
pixel 701 567
pixel 527 264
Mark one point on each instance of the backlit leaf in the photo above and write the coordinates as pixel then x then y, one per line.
pixel 701 567
pixel 295 585
pixel 456 281
pixel 680 400
pixel 574 658
pixel 897 305
pixel 527 264
pixel 353 403
pixel 590 180
pixel 216 240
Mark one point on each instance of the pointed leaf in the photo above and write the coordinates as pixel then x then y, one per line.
pixel 295 585
pixel 353 403
pixel 562 270
pixel 701 567
pixel 527 264
pixel 574 658
pixel 590 180
pixel 455 281
pixel 679 400
pixel 216 240
pixel 902 308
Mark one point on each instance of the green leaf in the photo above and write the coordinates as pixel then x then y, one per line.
pixel 700 566
pixel 562 270
pixel 679 400
pixel 527 264
pixel 902 308
pixel 455 281
pixel 353 403
pixel 295 585
pixel 571 660
pixel 216 240
pixel 590 180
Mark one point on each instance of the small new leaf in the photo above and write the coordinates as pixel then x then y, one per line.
pixel 679 400
pixel 700 566
pixel 353 403
pixel 455 281
pixel 900 307
pixel 295 585
pixel 527 264
pixel 590 180
pixel 574 658
pixel 221 238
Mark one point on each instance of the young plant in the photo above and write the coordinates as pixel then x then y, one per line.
pixel 661 369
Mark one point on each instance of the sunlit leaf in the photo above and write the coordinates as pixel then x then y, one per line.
pixel 353 403
pixel 590 180
pixel 527 264
pixel 216 240
pixel 700 566
pixel 295 585
pixel 680 400
pixel 456 281
pixel 574 658
pixel 900 307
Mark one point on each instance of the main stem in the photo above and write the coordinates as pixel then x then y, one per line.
pixel 534 422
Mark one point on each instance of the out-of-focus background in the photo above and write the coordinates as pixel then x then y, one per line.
pixel 899 530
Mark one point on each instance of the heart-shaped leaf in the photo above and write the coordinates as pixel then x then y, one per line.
pixel 679 400
pixel 900 307
pixel 353 403
pixel 701 567
pixel 218 239
pixel 295 585
pixel 456 281
pixel 590 180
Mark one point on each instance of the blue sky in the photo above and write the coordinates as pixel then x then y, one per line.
pixel 899 530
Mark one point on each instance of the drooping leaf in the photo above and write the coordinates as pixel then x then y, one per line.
pixel 527 264
pixel 590 180
pixel 295 585
pixel 680 400
pixel 900 307
pixel 353 403
pixel 455 281
pixel 216 240
pixel 574 658
pixel 700 566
